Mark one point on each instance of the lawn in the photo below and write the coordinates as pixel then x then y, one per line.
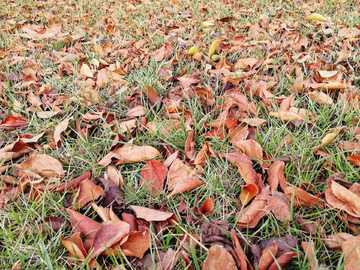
pixel 179 134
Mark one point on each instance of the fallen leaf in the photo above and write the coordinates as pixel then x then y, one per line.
pixel 207 207
pixel 130 153
pixel 153 176
pixel 43 165
pixel 244 262
pixel 316 17
pixel 213 47
pixel 11 122
pixel 115 176
pixel 302 198
pixel 309 250
pixel 282 260
pixel 251 215
pixel 137 244
pixel 87 192
pixel 250 148
pixel 61 128
pixel 218 258
pixel 329 138
pixel 346 196
pixel 320 98
pixel 276 176
pixel 177 172
pixel 85 71
pixel 150 214
pixel 248 192
pixel 267 256
pixel 351 251
pixel 186 184
pixel 75 246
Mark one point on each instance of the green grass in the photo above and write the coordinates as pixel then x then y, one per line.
pixel 21 241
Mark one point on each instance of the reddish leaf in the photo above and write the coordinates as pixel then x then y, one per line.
pixel 153 176
pixel 354 159
pixel 207 207
pixel 276 175
pixel 14 122
pixel 267 256
pixel 85 225
pixel 244 262
pixel 109 233
pixel 282 260
pixel 75 246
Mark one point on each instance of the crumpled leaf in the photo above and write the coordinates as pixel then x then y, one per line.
pixel 250 148
pixel 75 246
pixel 250 216
pixel 87 192
pixel 219 258
pixel 214 46
pixel 207 207
pixel 248 192
pixel 130 153
pixel 244 262
pixel 282 260
pixel 43 165
pixel 177 172
pixel 115 176
pixel 137 244
pixel 329 138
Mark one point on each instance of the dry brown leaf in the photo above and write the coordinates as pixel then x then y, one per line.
pixel 276 176
pixel 321 98
pixel 351 249
pixel 287 115
pixel 250 216
pixel 219 258
pixel 136 245
pixel 267 256
pixel 114 176
pixel 309 249
pixel 61 128
pixel 188 183
pixel 346 196
pixel 302 198
pixel 150 214
pixel 130 153
pixel 43 165
pixel 250 148
pixel 244 262
pixel 177 172
pixel 87 192
pixel 335 241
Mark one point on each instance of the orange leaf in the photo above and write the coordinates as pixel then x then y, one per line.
pixel 282 260
pixel 188 183
pixel 248 192
pixel 153 176
pixel 267 256
pixel 114 176
pixel 13 122
pixel 351 251
pixel 250 148
pixel 302 198
pixel 276 176
pixel 207 207
pixel 87 192
pixel 60 128
pixel 219 258
pixel 137 244
pixel 75 246
pixel 151 94
pixel 177 172
pixel 251 215
pixel 309 249
pixel 354 159
pixel 346 196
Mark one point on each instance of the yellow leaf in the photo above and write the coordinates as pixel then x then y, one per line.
pixel 329 138
pixel 208 23
pixel 214 46
pixel 316 17
pixel 215 57
pixel 192 50
pixel 85 71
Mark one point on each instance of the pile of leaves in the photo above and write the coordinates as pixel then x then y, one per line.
pixel 177 135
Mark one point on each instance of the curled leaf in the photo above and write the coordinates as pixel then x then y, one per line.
pixel 214 46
